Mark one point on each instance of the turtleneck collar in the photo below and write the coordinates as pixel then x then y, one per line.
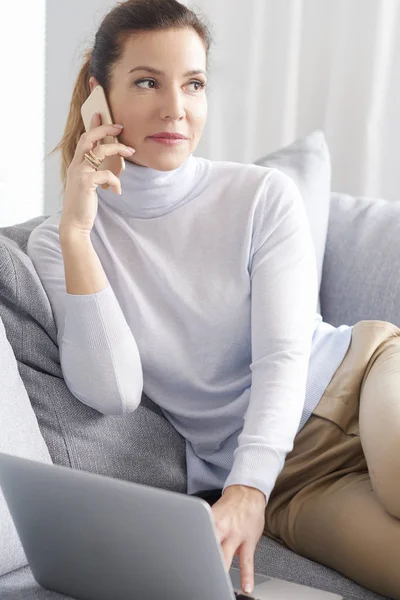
pixel 150 193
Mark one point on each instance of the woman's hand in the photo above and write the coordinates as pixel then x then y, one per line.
pixel 80 198
pixel 239 516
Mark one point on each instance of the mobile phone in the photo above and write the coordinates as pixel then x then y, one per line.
pixel 97 103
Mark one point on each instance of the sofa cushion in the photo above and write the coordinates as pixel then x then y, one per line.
pixel 307 161
pixel 19 436
pixel 271 559
pixel 360 277
pixel 142 446
pixel 150 450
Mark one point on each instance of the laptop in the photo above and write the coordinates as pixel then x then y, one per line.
pixel 94 537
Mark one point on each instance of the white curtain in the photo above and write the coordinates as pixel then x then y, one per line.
pixel 22 109
pixel 281 68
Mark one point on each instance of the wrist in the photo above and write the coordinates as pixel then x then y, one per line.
pixel 250 492
pixel 69 232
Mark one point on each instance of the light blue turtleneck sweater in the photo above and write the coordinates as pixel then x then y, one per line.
pixel 210 309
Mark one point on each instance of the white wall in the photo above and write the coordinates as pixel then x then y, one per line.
pixel 22 60
pixel 71 27
pixel 278 70
pixel 281 68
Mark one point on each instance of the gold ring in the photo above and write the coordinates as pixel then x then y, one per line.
pixel 93 160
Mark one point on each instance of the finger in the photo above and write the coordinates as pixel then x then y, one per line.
pixel 104 150
pixel 229 548
pixel 95 121
pixel 246 561
pixel 221 529
pixel 106 176
pixel 92 136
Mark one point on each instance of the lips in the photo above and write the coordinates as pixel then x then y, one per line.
pixel 169 136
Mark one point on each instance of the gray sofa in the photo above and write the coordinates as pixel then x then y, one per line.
pixel 359 281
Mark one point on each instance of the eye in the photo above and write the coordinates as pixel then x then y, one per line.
pixel 144 81
pixel 200 84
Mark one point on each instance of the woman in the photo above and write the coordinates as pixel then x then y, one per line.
pixel 196 280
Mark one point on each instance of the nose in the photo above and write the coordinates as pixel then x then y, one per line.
pixel 172 106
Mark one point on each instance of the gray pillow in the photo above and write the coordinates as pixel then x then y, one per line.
pixel 19 436
pixel 361 269
pixel 142 447
pixel 307 161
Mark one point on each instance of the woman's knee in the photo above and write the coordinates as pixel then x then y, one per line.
pixel 385 479
pixel 379 423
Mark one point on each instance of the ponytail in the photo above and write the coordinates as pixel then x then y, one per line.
pixel 74 126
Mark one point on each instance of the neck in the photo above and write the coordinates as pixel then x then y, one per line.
pixel 150 193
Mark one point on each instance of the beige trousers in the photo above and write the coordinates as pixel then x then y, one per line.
pixel 337 499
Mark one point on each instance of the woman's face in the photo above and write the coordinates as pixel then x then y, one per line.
pixel 172 99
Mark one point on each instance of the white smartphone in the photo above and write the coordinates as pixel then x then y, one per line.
pixel 97 103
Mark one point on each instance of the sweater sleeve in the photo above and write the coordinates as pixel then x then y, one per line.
pixel 99 356
pixel 284 293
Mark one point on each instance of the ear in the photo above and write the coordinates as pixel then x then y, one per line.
pixel 92 83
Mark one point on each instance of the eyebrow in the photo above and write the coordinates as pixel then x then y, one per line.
pixel 157 72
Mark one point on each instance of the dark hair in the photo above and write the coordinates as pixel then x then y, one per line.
pixel 126 19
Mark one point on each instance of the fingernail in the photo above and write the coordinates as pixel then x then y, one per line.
pixel 247 588
pixel 118 125
pixel 131 149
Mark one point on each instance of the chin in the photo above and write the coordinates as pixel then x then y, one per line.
pixel 166 162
